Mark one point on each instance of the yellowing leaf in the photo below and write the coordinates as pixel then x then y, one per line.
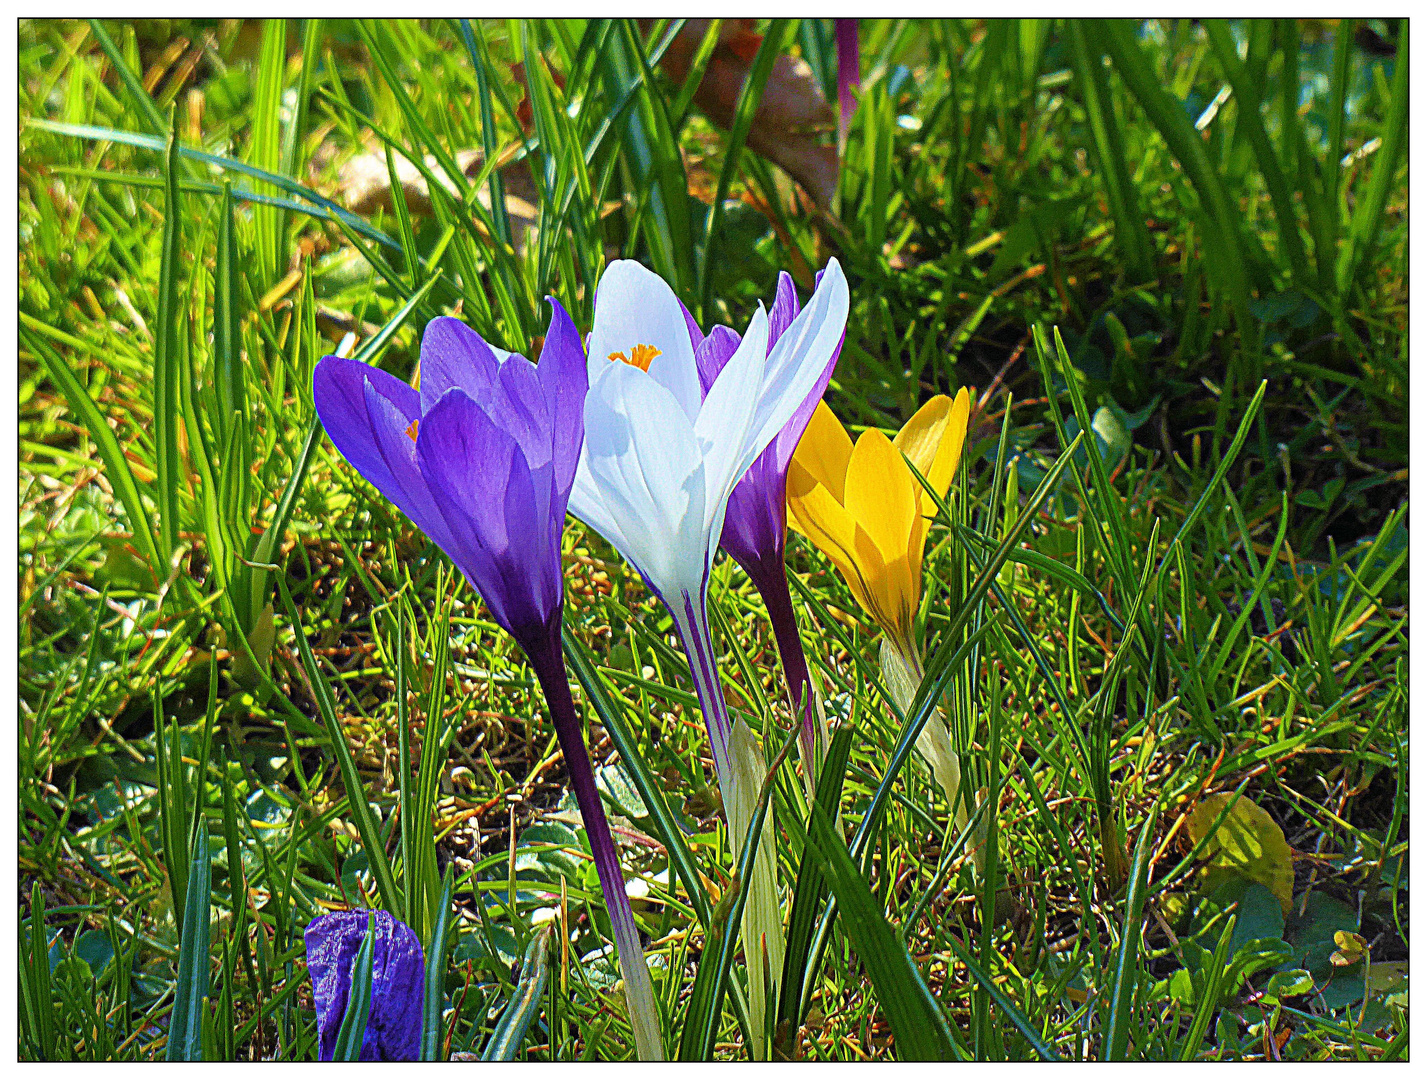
pixel 1350 948
pixel 1248 843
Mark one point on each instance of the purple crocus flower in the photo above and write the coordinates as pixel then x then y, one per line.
pixel 847 76
pixel 482 460
pixel 394 1023
pixel 755 527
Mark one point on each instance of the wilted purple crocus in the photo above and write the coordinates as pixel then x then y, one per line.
pixel 398 977
pixel 481 459
pixel 755 527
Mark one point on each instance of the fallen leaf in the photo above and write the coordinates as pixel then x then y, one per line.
pixel 1248 843
pixel 364 184
pixel 792 117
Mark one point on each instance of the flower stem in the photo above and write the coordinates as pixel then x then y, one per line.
pixel 638 989
pixel 790 651
pixel 739 763
pixel 691 617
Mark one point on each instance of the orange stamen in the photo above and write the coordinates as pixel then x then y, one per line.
pixel 411 431
pixel 641 356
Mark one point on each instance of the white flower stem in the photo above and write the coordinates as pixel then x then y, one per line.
pixel 741 767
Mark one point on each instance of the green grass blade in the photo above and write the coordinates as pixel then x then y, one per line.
pixel 353 1031
pixel 143 103
pixel 811 888
pixel 265 146
pixel 166 359
pixel 611 717
pixel 292 187
pixel 185 1031
pixel 1004 1003
pixel 701 1021
pixel 749 98
pixel 918 1024
pixel 1168 116
pixel 116 465
pixel 1127 961
pixel 436 973
pixel 524 1004
pixel 1251 123
pixel 351 779
pixel 1367 216
pixel 36 993
pixel 1109 149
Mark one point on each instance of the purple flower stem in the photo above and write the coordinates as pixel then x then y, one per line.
pixel 549 666
pixel 795 664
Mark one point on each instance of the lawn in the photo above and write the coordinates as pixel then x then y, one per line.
pixel 1160 628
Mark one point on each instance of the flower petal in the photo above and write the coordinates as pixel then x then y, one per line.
pixel 331 942
pixel 824 451
pixel 817 515
pixel 517 403
pixel 489 497
pixel 932 440
pixel 713 353
pixel 879 493
pixel 366 412
pixel 799 359
pixel 645 463
pixel 452 354
pixel 634 306
pixel 784 309
pixel 566 381
pixel 722 426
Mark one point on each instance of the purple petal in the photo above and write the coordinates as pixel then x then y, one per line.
pixel 452 354
pixel 695 334
pixel 785 308
pixel 517 402
pixel 713 352
pixel 488 496
pixel 565 380
pixel 398 978
pixel 366 413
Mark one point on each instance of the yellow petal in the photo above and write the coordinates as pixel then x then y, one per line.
pixel 933 439
pixel 880 495
pixel 881 499
pixel 817 515
pixel 824 450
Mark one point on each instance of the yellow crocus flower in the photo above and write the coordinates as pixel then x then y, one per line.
pixel 870 515
pixel 863 507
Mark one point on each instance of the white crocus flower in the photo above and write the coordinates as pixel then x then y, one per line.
pixel 659 463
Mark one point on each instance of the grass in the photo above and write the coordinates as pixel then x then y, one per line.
pixel 241 673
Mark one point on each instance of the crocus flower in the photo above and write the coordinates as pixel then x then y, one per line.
pixel 394 1022
pixel 660 461
pixel 482 459
pixel 755 526
pixel 847 77
pixel 861 505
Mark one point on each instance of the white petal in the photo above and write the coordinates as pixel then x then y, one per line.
pixel 587 503
pixel 634 306
pixel 644 462
pixel 723 425
pixel 799 359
